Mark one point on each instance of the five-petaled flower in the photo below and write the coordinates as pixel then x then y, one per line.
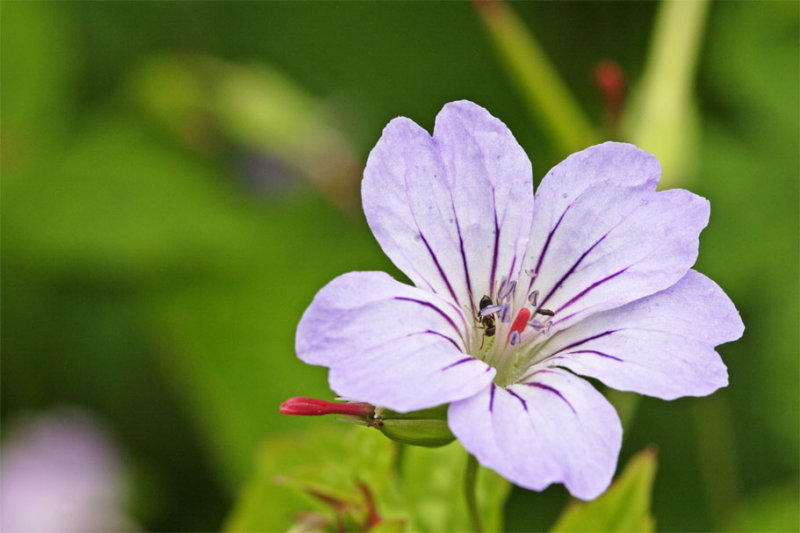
pixel 515 296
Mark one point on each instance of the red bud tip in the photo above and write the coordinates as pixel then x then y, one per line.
pixel 610 80
pixel 299 406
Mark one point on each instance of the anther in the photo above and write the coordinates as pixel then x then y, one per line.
pixel 545 312
pixel 547 327
pixel 536 325
pixel 506 289
pixel 491 310
pixel 533 297
pixel 505 313
pixel 514 338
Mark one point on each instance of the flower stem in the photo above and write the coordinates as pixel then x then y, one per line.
pixel 470 479
pixel 662 116
pixel 543 90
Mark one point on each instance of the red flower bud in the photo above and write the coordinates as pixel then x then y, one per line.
pixel 300 406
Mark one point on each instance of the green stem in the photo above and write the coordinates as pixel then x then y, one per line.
pixel 470 479
pixel 661 117
pixel 544 92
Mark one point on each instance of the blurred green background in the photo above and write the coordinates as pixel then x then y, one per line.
pixel 177 183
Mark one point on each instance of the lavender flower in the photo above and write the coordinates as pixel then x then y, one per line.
pixel 60 472
pixel 516 296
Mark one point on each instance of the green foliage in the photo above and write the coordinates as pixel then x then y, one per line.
pixel 142 279
pixel 331 476
pixel 433 486
pixel 624 507
pixel 775 508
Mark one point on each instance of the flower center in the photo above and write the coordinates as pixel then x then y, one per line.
pixel 510 330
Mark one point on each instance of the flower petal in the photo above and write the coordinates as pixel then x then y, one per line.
pixel 389 344
pixel 612 245
pixel 613 163
pixel 555 429
pixel 452 211
pixel 492 188
pixel 661 346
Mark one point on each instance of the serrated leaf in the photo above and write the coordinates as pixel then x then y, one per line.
pixel 625 506
pixel 320 478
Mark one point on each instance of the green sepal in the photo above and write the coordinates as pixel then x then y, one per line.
pixel 417 432
pixel 426 427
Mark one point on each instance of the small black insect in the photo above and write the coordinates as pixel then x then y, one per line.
pixel 488 320
pixel 545 312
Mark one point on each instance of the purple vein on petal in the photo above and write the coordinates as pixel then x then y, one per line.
pixel 554 391
pixel 584 341
pixel 549 238
pixel 445 337
pixel 524 379
pixel 491 397
pixel 518 397
pixel 596 352
pixel 496 250
pixel 571 270
pixel 463 259
pixel 428 304
pixel 589 288
pixel 459 362
pixel 439 267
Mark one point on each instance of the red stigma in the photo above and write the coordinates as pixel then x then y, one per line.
pixel 520 322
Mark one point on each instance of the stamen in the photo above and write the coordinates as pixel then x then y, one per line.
pixel 533 298
pixel 514 338
pixel 532 273
pixel 505 313
pixel 547 328
pixel 491 310
pixel 506 289
pixel 535 324
pixel 501 288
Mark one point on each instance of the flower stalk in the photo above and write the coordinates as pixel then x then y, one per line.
pixel 662 116
pixel 543 90
pixel 470 485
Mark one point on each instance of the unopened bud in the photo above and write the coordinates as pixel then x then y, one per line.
pixel 300 406
pixel 427 427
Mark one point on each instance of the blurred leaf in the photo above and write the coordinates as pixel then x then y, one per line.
pixel 38 75
pixel 122 202
pixel 322 474
pixel 254 106
pixel 774 508
pixel 433 488
pixel 625 506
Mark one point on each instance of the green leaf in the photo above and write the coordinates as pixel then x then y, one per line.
pixel 433 488
pixel 317 479
pixel 624 507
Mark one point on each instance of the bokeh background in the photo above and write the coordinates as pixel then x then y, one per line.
pixel 179 179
